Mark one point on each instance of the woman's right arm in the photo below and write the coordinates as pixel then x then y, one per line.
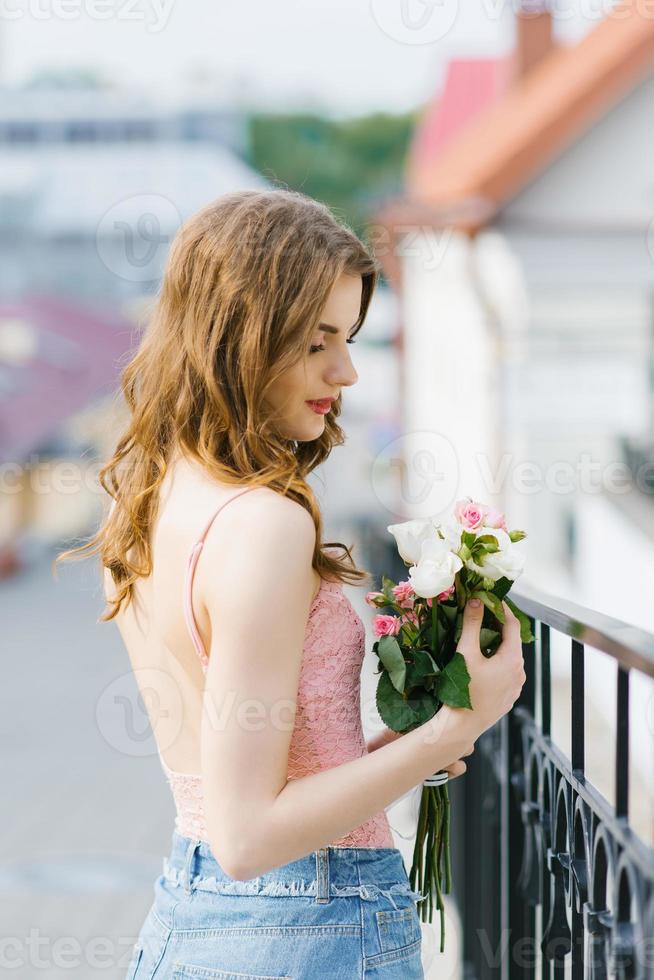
pixel 258 605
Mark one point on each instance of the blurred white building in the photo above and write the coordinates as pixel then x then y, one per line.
pixel 94 184
pixel 522 252
pixel 523 255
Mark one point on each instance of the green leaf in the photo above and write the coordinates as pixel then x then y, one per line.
pixel 460 591
pixel 502 586
pixel 424 665
pixel 408 632
pixel 453 682
pixel 525 625
pixel 493 603
pixel 413 678
pixel 424 631
pixel 387 588
pixel 390 654
pixel 449 611
pixel 423 704
pixel 490 543
pixel 393 710
pixel 489 638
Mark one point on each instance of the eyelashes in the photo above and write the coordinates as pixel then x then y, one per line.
pixel 315 349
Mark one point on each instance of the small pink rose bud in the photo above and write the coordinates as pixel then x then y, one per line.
pixel 495 518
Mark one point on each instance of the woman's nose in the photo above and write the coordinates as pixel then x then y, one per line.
pixel 342 372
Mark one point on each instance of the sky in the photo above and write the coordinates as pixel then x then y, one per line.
pixel 341 56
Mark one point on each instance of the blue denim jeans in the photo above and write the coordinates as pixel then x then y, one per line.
pixel 337 913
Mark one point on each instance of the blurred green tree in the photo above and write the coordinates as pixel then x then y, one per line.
pixel 349 164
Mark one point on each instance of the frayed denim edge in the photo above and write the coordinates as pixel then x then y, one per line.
pixel 254 887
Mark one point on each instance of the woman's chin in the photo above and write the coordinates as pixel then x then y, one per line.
pixel 306 433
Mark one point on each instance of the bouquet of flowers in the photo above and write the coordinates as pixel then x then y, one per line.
pixel 420 669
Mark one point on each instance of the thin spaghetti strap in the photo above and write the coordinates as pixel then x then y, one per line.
pixel 188 581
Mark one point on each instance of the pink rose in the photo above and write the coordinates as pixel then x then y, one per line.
pixel 443 596
pixel 495 518
pixel 470 514
pixel 371 596
pixel 404 594
pixel 386 625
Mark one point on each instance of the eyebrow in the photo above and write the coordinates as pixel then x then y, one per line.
pixel 328 328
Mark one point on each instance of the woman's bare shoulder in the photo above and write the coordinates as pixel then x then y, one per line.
pixel 265 511
pixel 265 544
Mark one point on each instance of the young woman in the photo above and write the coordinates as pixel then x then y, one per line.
pixel 232 610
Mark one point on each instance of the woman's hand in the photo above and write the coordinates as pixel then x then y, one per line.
pixel 495 682
pixel 456 769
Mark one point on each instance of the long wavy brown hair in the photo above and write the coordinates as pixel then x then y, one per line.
pixel 245 282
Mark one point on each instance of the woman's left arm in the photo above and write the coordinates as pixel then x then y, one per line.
pixel 387 735
pixel 383 737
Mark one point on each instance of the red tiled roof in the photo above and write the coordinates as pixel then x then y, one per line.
pixel 79 354
pixel 488 136
pixel 516 136
pixel 470 87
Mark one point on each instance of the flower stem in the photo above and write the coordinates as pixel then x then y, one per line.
pixel 439 811
pixel 434 628
pixel 431 827
pixel 448 857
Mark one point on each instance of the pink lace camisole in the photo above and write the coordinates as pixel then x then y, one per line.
pixel 327 730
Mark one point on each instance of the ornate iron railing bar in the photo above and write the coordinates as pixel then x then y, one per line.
pixel 641 854
pixel 578 704
pixel 545 680
pixel 622 745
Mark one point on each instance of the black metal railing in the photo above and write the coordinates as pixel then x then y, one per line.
pixel 550 879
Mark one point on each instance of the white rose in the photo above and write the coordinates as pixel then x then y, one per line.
pixel 436 569
pixel 410 535
pixel 508 562
pixel 452 534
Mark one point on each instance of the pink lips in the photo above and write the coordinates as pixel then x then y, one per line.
pixel 320 407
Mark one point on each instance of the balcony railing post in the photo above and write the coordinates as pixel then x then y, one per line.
pixel 622 745
pixel 578 699
pixel 518 918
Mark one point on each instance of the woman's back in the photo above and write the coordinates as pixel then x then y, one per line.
pixel 154 627
pixel 167 633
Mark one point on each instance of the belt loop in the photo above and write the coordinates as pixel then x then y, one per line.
pixel 187 871
pixel 322 875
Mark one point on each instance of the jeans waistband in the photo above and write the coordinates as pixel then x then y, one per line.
pixel 325 873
